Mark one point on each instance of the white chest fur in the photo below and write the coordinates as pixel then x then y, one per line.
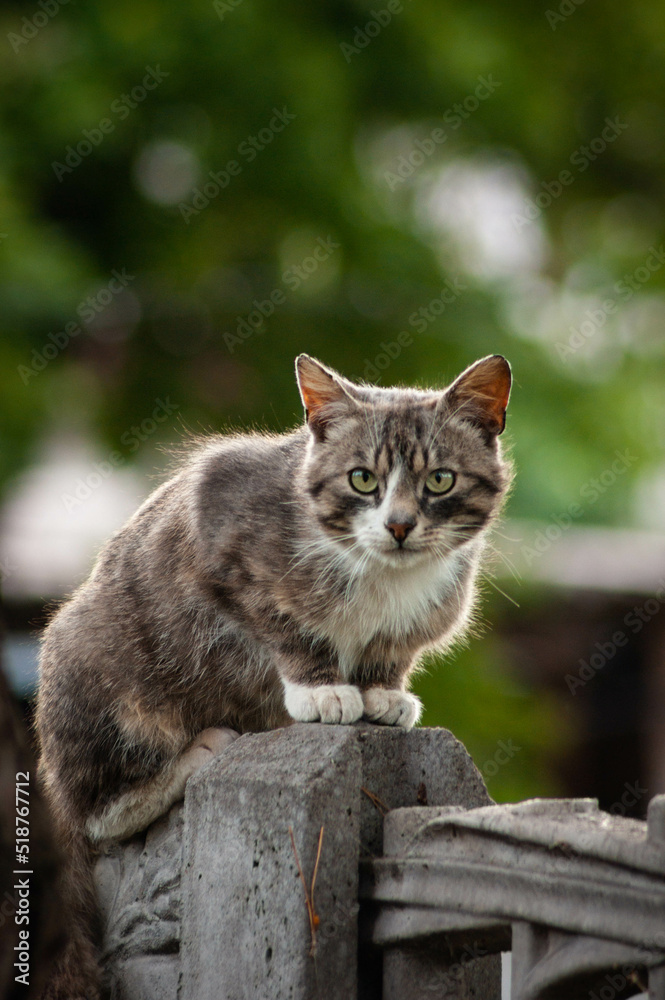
pixel 391 602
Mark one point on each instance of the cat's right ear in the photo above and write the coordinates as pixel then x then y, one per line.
pixel 323 393
pixel 481 394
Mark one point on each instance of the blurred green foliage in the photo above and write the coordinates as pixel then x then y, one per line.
pixel 511 735
pixel 366 85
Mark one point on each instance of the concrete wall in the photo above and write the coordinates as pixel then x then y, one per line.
pixel 208 904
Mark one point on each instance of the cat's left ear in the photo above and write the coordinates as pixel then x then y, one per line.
pixel 481 393
pixel 324 393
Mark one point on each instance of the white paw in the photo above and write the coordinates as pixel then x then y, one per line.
pixel 208 744
pixel 340 703
pixel 391 708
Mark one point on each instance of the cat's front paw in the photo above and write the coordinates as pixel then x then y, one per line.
pixel 391 708
pixel 332 703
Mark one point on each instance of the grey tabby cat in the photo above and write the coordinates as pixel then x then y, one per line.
pixel 275 577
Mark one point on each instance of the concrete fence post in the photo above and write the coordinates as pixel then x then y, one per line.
pixel 214 908
pixel 246 931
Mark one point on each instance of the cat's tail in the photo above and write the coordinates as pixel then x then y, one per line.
pixel 76 974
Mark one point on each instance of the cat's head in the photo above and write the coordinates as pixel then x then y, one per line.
pixel 405 475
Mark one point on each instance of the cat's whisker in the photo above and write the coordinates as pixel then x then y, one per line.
pixel 311 550
pixel 362 562
pixel 296 561
pixel 333 562
pixel 496 531
pixel 442 550
pixel 321 542
pixel 509 564
pixel 490 580
pixel 444 554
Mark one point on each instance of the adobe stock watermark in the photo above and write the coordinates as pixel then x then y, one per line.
pixel 422 149
pixel 390 351
pixel 121 108
pixel 131 440
pixel 631 795
pixel 626 288
pixel 504 753
pixel 362 36
pixel 591 492
pixel 224 7
pixel 615 983
pixel 247 151
pixel 293 277
pixel 419 321
pixel 634 620
pixel 565 10
pixel 90 307
pixel 31 26
pixel 581 158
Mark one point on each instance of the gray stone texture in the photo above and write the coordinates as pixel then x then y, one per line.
pixel 428 974
pixel 424 767
pixel 238 850
pixel 209 904
pixel 138 887
pixel 562 863
pixel 581 892
pixel 246 932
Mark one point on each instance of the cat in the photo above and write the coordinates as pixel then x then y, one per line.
pixel 274 578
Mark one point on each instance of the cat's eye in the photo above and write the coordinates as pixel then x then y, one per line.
pixel 363 480
pixel 440 481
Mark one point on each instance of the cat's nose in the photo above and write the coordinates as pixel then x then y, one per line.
pixel 400 529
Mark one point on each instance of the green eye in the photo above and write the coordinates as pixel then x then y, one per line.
pixel 363 480
pixel 440 481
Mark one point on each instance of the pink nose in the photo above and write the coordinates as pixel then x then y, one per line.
pixel 399 529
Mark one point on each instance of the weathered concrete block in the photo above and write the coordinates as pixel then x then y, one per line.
pixel 426 974
pixel 138 887
pixel 241 881
pixel 424 767
pixel 421 767
pixel 146 977
pixel 209 902
pixel 246 932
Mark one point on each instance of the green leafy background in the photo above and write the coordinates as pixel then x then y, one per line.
pixel 557 80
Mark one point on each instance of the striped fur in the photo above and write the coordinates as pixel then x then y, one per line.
pixel 257 586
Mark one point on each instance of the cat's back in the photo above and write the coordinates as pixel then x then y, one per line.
pixel 228 488
pixel 220 476
pixel 221 507
pixel 244 468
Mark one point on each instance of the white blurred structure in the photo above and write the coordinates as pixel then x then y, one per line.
pixel 58 514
